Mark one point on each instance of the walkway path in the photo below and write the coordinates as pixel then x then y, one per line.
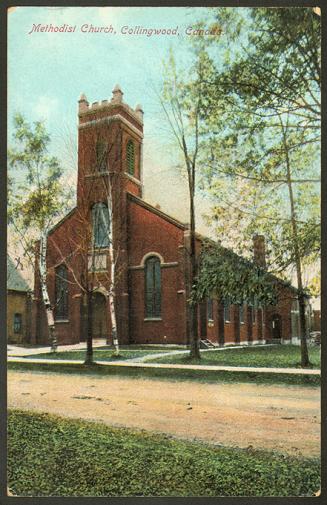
pixel 16 350
pixel 216 368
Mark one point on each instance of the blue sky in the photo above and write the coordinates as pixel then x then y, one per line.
pixel 48 71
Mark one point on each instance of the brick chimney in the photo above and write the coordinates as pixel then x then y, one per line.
pixel 259 251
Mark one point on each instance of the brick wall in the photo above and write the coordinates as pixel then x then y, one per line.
pixel 149 232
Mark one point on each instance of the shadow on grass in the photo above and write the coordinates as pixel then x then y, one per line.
pixel 206 376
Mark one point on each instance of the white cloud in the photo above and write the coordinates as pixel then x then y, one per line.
pixel 46 107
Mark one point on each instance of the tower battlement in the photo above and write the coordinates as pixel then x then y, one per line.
pixel 109 105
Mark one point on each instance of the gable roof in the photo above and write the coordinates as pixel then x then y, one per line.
pixel 59 223
pixel 15 280
pixel 156 211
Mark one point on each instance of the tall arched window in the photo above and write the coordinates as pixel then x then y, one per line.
pixel 152 287
pixel 130 157
pixel 61 293
pixel 100 225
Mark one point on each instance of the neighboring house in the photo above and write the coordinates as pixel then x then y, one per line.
pixel 19 305
pixel 152 268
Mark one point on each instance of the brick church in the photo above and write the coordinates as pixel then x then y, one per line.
pixel 150 253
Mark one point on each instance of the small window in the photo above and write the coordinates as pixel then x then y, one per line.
pixel 210 309
pixel 18 323
pixel 130 157
pixel 152 288
pixel 61 289
pixel 97 262
pixel 226 311
pixel 241 309
pixel 100 223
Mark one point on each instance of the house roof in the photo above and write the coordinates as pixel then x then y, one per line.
pixel 15 280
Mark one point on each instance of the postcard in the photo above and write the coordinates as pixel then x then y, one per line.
pixel 163 261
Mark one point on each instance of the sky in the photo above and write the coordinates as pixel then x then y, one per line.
pixel 48 71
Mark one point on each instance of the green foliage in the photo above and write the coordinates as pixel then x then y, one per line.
pixel 279 356
pixel 36 195
pixel 261 103
pixel 51 456
pixel 230 277
pixel 278 63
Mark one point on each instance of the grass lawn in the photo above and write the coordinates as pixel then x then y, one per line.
pixel 145 347
pixel 206 376
pixel 52 456
pixel 98 354
pixel 283 356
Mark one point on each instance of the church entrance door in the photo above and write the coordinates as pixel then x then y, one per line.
pixel 276 324
pixel 99 316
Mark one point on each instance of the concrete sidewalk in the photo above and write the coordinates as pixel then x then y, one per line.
pixel 15 350
pixel 167 366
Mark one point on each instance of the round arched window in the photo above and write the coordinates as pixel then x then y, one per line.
pixel 152 287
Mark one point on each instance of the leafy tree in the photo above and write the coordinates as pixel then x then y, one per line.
pixel 261 158
pixel 228 276
pixel 91 252
pixel 36 196
pixel 182 101
pixel 269 58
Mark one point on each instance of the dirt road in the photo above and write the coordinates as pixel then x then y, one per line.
pixel 284 418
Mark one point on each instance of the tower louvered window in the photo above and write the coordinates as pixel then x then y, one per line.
pixel 152 287
pixel 130 157
pixel 61 288
pixel 101 156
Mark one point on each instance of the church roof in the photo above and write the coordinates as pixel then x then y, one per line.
pixel 15 280
pixel 159 212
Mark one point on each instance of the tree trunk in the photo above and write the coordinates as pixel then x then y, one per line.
pixel 303 323
pixel 44 290
pixel 89 339
pixel 112 301
pixel 112 275
pixel 193 307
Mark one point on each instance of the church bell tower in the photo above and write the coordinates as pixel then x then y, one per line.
pixel 110 135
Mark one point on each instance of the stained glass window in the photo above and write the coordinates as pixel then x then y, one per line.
pixel 100 222
pixel 152 287
pixel 61 291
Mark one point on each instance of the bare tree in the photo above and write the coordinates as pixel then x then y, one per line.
pixel 182 103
